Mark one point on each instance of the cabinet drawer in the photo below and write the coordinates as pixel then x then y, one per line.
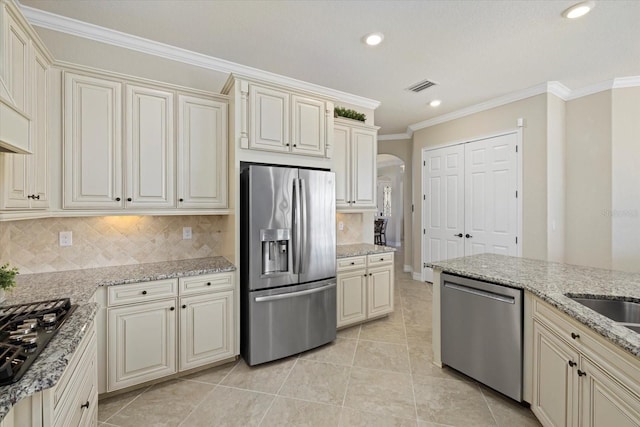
pixel 351 263
pixel 206 283
pixel 85 351
pixel 141 292
pixel 380 259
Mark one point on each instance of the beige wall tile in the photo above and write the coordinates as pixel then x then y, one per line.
pixel 32 245
pixel 352 231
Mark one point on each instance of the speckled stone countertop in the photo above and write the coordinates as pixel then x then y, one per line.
pixel 357 249
pixel 552 281
pixel 80 286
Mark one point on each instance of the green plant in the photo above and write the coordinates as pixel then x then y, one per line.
pixel 349 114
pixel 7 277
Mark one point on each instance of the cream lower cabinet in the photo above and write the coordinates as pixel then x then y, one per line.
pixel 354 162
pixel 579 380
pixel 156 329
pixel 72 402
pixel 365 288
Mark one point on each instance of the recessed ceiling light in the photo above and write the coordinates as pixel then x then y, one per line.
pixel 578 10
pixel 373 39
pixel 435 103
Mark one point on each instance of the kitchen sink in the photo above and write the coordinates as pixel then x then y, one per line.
pixel 624 312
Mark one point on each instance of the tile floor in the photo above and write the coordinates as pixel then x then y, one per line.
pixel 377 374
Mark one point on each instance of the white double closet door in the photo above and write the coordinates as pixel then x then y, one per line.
pixel 470 204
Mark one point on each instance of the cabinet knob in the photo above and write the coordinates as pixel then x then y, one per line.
pixel 572 363
pixel 128 199
pixel 575 336
pixel 118 199
pixel 172 308
pixel 365 274
pixel 353 263
pixel 184 305
pixel 181 200
pixel 581 373
pixel 144 292
pixel 208 283
pixel 85 405
pixel 381 259
pixel 286 145
pixel 295 145
pixel 370 274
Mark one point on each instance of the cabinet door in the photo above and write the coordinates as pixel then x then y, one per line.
pixel 141 343
pixel 202 153
pixel 342 165
pixel 364 174
pixel 39 165
pixel 351 300
pixel 206 329
pixel 605 402
pixel 269 123
pixel 380 291
pixel 150 147
pixel 92 143
pixel 308 126
pixel 555 386
pixel 17 60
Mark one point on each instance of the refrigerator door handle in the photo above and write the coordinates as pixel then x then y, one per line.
pixel 295 294
pixel 297 222
pixel 303 224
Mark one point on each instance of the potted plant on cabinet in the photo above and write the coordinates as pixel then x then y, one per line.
pixel 7 279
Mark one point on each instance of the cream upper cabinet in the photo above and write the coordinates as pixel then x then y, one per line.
pixel 279 119
pixel 354 162
pixel 92 143
pixel 150 148
pixel 269 119
pixel 202 153
pixel 17 60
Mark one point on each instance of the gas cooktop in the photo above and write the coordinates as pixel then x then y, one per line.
pixel 25 330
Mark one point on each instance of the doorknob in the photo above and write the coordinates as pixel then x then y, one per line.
pixel 457 235
pixel 468 236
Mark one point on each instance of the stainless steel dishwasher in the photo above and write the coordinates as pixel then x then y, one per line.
pixel 482 332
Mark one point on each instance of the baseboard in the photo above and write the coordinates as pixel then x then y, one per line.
pixel 407 269
pixel 417 276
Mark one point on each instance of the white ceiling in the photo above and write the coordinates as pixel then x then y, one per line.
pixel 474 50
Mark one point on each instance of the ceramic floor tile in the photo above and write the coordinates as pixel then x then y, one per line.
pixel 212 375
pixel 230 407
pixel 292 412
pixel 165 404
pixel 109 406
pixel 351 332
pixel 380 355
pixel 507 412
pixel 387 393
pixel 340 352
pixel 383 330
pixel 456 403
pixel 354 418
pixel 317 382
pixel 266 378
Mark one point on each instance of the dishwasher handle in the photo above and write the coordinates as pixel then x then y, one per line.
pixel 478 292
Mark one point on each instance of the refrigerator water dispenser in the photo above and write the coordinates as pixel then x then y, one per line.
pixel 275 250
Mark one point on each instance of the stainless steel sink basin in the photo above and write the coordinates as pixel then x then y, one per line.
pixel 624 312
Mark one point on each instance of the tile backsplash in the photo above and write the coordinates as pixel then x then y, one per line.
pixel 32 245
pixel 352 228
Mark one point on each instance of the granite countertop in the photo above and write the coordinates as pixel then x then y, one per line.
pixel 358 249
pixel 80 286
pixel 551 281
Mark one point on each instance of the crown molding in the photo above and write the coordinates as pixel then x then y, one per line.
pixel 622 82
pixel 100 34
pixel 395 136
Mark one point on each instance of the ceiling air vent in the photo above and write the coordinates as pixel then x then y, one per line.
pixel 420 86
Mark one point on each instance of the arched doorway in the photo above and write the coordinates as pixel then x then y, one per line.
pixel 390 204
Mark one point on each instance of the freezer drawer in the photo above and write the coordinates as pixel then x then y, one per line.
pixel 286 321
pixel 481 326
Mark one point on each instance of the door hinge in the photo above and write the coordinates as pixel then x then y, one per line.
pixel 424 265
pixel 516 240
pixel 516 148
pixel 424 231
pixel 516 194
pixel 424 163
pixel 412 208
pixel 424 197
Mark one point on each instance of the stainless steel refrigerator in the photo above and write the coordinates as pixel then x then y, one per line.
pixel 288 261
